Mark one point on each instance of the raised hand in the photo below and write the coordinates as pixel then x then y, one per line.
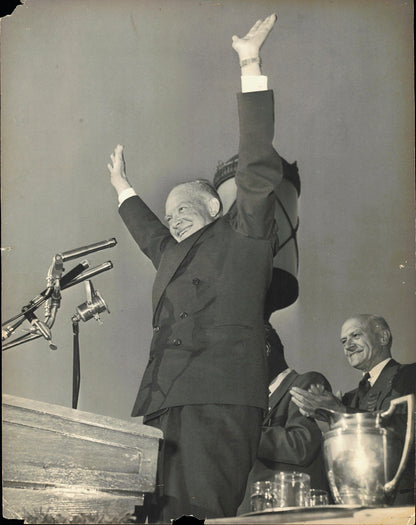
pixel 249 46
pixel 117 170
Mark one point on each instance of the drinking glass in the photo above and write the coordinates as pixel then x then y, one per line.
pixel 293 488
pixel 318 497
pixel 264 495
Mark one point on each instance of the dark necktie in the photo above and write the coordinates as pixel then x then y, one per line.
pixel 364 386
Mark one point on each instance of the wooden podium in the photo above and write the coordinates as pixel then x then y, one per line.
pixel 67 466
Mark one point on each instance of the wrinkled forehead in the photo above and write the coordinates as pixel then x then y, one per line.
pixel 351 325
pixel 182 194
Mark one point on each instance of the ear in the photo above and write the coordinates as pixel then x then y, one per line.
pixel 384 337
pixel 214 207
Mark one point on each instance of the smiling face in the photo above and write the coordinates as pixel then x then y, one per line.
pixel 188 210
pixel 365 344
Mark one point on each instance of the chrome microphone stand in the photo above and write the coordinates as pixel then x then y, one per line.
pixel 93 306
pixel 51 298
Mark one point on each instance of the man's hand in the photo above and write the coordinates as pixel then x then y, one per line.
pixel 310 401
pixel 249 46
pixel 118 170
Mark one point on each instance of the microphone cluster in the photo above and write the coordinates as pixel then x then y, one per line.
pixel 51 296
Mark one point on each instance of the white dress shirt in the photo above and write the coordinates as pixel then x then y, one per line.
pixel 376 371
pixel 277 381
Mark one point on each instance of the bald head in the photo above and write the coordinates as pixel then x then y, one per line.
pixel 190 206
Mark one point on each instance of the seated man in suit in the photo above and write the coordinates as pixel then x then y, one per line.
pixel 289 440
pixel 367 342
pixel 205 384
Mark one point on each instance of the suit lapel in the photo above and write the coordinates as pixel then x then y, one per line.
pixel 383 386
pixel 354 400
pixel 280 391
pixel 171 259
pixel 379 391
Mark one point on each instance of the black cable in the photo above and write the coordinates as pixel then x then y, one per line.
pixel 33 305
pixel 76 369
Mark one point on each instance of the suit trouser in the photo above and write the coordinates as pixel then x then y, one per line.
pixel 204 460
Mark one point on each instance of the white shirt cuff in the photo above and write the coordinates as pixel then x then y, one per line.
pixel 125 194
pixel 253 83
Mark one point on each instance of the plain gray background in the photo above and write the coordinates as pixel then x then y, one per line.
pixel 160 77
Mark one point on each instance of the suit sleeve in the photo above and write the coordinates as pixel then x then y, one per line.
pixel 260 168
pixel 292 438
pixel 145 227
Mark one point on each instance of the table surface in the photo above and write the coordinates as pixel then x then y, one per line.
pixel 328 514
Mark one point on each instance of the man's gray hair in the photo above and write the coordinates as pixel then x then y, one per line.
pixel 201 186
pixel 377 323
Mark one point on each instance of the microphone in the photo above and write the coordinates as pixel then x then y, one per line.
pixel 69 276
pixel 40 328
pixel 85 250
pixel 104 267
pixel 93 306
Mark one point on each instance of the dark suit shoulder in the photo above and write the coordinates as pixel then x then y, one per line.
pixel 409 368
pixel 147 230
pixel 404 382
pixel 395 380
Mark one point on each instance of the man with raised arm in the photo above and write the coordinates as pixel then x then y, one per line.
pixel 205 384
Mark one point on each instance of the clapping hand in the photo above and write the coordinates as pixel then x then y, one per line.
pixel 315 398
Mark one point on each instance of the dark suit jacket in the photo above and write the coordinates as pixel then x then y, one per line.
pixel 289 440
pixel 209 291
pixel 395 381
